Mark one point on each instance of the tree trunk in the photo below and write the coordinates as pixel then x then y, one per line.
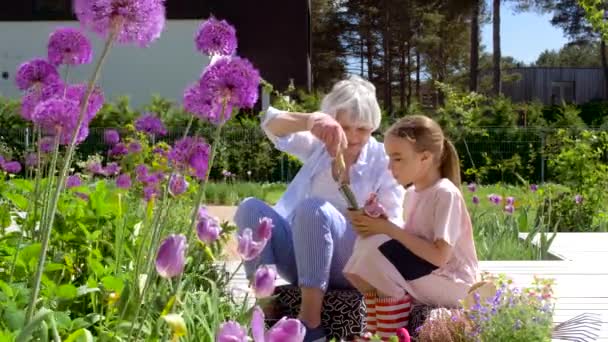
pixel 362 55
pixel 408 73
pixel 388 103
pixel 402 76
pixel 370 57
pixel 474 62
pixel 418 95
pixel 496 42
pixel 604 66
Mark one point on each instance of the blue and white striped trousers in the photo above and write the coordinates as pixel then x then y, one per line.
pixel 310 251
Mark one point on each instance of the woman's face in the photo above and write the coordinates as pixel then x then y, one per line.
pixel 357 133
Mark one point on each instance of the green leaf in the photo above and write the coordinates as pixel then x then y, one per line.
pixel 80 335
pixel 85 290
pixel 51 267
pixel 111 283
pixel 63 320
pixel 6 289
pixel 23 184
pixel 13 318
pixel 30 252
pixel 67 291
pixel 17 199
pixel 27 331
pixel 85 322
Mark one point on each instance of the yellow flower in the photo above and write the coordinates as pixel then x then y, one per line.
pixel 177 324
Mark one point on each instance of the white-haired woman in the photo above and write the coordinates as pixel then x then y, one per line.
pixel 312 239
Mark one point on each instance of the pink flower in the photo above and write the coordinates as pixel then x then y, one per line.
pixel 265 228
pixel 232 332
pixel 263 285
pixel 285 330
pixel 373 208
pixel 247 248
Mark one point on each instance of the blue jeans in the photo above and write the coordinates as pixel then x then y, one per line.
pixel 309 251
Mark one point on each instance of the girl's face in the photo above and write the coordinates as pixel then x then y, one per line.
pixel 405 163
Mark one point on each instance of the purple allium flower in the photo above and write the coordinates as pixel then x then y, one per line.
pixel 216 37
pixel 11 167
pixel 533 187
pixel 141 171
pixel 150 192
pixel 123 181
pixel 135 21
pixel 232 332
pixel 578 199
pixel 150 124
pixel 46 144
pixel 59 116
pixel 69 46
pixel 119 150
pixel 231 82
pixel 111 137
pixel 510 200
pixel 36 72
pixel 191 153
pixel 496 199
pixel 247 248
pixel 264 279
pixel 76 92
pixel 111 169
pixel 208 229
pixel 34 96
pixel 171 256
pixel 160 151
pixel 177 185
pixel 509 208
pixel 199 103
pixel 134 147
pixel 95 168
pixel 475 199
pixel 31 160
pixel 72 181
pixel 472 187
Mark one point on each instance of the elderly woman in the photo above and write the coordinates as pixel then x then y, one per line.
pixel 312 239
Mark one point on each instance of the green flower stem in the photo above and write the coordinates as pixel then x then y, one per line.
pixel 48 225
pixel 188 126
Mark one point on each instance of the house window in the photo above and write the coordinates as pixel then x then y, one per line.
pixel 562 92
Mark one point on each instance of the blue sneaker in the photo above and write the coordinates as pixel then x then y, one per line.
pixel 315 334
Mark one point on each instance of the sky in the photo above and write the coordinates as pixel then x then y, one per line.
pixel 523 35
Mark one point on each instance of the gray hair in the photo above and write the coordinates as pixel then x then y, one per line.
pixel 357 97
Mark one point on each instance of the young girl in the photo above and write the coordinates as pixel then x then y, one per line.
pixel 432 260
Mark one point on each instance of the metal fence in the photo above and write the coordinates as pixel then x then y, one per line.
pixel 476 148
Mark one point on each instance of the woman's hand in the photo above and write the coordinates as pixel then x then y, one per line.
pixel 367 226
pixel 329 131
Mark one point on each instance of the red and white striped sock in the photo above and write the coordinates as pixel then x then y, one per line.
pixel 392 314
pixel 370 307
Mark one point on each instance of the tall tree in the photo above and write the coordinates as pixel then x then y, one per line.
pixel 328 59
pixel 474 54
pixel 496 47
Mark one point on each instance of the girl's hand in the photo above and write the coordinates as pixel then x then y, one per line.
pixel 367 226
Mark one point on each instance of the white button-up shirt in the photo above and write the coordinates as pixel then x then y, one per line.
pixel 369 174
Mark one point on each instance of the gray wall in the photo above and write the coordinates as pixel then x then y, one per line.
pixel 166 68
pixel 535 83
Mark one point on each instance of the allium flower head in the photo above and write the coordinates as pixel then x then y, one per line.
pixel 119 150
pixel 150 124
pixel 111 137
pixel 177 185
pixel 123 181
pixel 475 199
pixel 230 82
pixel 200 104
pixel 59 116
pixel 137 22
pixel 111 169
pixel 69 46
pixel 31 160
pixel 72 181
pixel 36 72
pixel 496 199
pixel 578 199
pixel 11 167
pixel 34 96
pixel 134 147
pixel 76 92
pixel 46 144
pixel 191 153
pixel 216 37
pixel 533 187
pixel 472 187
